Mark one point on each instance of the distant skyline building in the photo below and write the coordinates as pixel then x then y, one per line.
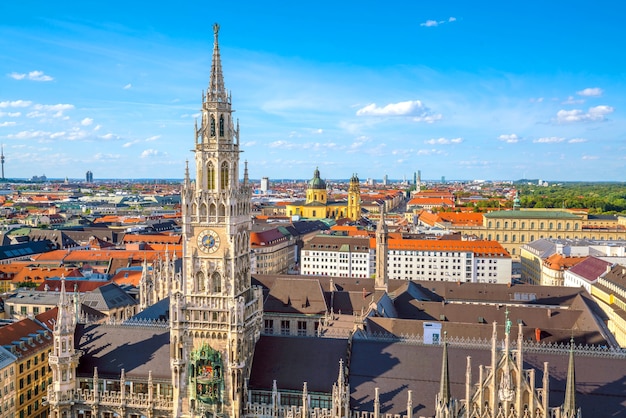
pixel 89 177
pixel 2 160
pixel 265 184
pixel 443 179
pixel 385 180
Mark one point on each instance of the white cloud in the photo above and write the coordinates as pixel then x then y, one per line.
pixel 429 152
pixel 590 157
pixel 509 138
pixel 153 138
pixel 15 103
pixel 536 99
pixel 3 124
pixel 571 100
pixel 86 121
pixel 29 135
pixel 549 140
pixel 412 108
pixel 432 23
pixel 149 153
pixel 594 114
pixel 249 144
pixel 110 137
pixel 106 157
pixel 127 86
pixel 576 141
pixel 10 114
pixel 57 108
pixel 591 92
pixel 33 75
pixel 444 141
pixel 282 145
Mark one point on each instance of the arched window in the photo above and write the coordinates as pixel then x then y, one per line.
pixel 221 125
pixel 200 282
pixel 210 176
pixel 212 125
pixel 217 282
pixel 224 176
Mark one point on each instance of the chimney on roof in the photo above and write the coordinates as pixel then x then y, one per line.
pixel 549 312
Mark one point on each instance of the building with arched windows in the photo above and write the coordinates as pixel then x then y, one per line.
pixel 318 206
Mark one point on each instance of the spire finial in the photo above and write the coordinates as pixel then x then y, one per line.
pixel 216 91
pixel 444 385
pixel 569 404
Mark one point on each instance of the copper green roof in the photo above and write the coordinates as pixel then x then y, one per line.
pixel 531 214
pixel 316 182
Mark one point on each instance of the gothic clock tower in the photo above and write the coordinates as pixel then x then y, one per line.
pixel 215 313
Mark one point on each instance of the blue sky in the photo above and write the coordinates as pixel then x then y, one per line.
pixel 465 90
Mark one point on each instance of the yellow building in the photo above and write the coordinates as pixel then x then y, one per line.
pixel 30 343
pixel 514 228
pixel 317 205
pixel 7 383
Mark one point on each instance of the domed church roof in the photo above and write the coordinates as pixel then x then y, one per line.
pixel 316 182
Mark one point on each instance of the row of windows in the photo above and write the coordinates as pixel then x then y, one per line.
pixel 541 225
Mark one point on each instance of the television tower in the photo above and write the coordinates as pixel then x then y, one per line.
pixel 2 160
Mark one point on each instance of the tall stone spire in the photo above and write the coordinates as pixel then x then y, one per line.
pixel 216 91
pixel 382 248
pixel 569 405
pixel 444 385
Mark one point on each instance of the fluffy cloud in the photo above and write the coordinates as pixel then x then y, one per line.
pixel 591 92
pixel 444 141
pixel 3 124
pixel 153 138
pixel 576 141
pixel 127 86
pixel 33 75
pixel 10 114
pixel 432 23
pixel 594 114
pixel 509 138
pixel 411 108
pixel 44 110
pixel 86 121
pixel 549 140
pixel 15 103
pixel 590 157
pixel 150 153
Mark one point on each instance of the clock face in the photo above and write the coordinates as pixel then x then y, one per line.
pixel 208 241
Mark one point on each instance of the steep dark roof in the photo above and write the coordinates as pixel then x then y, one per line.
pixel 291 361
pixel 135 349
pixel 396 368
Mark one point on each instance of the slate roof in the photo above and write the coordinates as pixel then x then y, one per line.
pixel 295 295
pixel 291 361
pixel 396 368
pixel 107 297
pixel 135 349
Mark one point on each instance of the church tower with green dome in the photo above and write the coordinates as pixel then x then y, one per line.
pixel 316 192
